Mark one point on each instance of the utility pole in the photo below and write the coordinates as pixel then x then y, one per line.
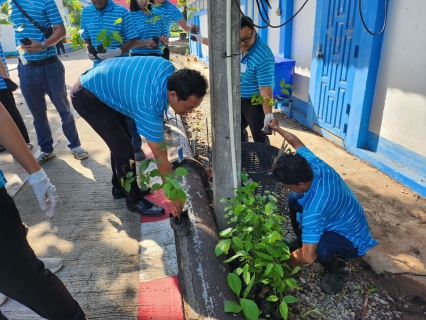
pixel 225 108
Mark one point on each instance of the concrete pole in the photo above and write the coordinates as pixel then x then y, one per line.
pixel 226 151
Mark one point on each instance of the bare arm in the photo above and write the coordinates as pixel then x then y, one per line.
pixel 305 255
pixel 266 92
pixel 58 34
pixel 12 140
pixel 291 138
pixel 185 25
pixel 128 45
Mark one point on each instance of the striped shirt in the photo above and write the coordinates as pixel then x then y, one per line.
pixel 46 13
pixel 2 83
pixel 330 205
pixel 148 26
pixel 135 87
pixel 3 180
pixel 259 68
pixel 169 12
pixel 93 22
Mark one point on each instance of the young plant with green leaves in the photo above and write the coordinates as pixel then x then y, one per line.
pixel 108 37
pixel 257 99
pixel 76 39
pixel 255 243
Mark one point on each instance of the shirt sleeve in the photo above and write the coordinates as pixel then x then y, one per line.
pixel 265 73
pixel 52 13
pixel 176 15
pixel 129 27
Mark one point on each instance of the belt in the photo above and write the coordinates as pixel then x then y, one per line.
pixel 88 93
pixel 42 62
pixel 246 99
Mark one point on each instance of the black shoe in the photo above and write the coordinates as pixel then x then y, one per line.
pixel 141 208
pixel 118 193
pixel 334 282
pixel 139 155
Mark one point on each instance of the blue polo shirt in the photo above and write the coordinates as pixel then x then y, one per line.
pixel 135 87
pixel 3 180
pixel 46 13
pixel 259 65
pixel 169 12
pixel 330 205
pixel 93 22
pixel 2 83
pixel 148 26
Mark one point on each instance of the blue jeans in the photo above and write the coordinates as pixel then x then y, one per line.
pixel 331 244
pixel 136 138
pixel 36 82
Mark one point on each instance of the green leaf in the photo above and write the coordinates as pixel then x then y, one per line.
pixel 248 289
pixel 285 91
pixel 244 177
pixel 175 183
pixel 74 43
pixel 117 37
pixel 295 270
pixel 129 174
pixel 181 172
pixel 226 232
pixel 81 42
pixel 278 269
pixel 222 247
pixel 274 236
pixel 144 165
pixel 181 195
pixel 154 173
pixel 272 298
pixel 290 299
pixel 248 246
pixel 284 310
pixel 118 21
pixel 234 283
pixel 282 83
pixel 238 242
pixel 250 309
pixel 173 195
pixel 101 35
pixel 240 253
pixel 263 255
pixel 291 283
pixel 166 189
pixel 233 307
pixel 268 268
pixel 155 187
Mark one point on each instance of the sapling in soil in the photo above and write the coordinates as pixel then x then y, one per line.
pixel 106 38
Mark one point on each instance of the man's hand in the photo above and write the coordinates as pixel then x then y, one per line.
pixel 198 37
pixel 268 118
pixel 35 46
pixel 110 53
pixel 177 208
pixel 150 43
pixel 91 56
pixel 274 124
pixel 44 191
pixel 164 39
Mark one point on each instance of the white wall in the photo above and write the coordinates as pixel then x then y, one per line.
pixel 274 33
pixel 301 47
pixel 204 27
pixel 399 107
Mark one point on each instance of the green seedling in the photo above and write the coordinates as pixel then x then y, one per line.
pixel 106 38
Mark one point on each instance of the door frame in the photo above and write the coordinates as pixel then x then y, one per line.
pixel 365 74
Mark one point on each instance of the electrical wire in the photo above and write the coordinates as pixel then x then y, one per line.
pixel 384 22
pixel 267 18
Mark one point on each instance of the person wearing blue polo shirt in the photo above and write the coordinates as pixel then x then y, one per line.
pixel 329 222
pixel 152 31
pixel 103 14
pixel 140 88
pixel 171 14
pixel 41 72
pixel 23 277
pixel 257 77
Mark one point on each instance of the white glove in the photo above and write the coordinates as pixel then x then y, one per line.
pixel 91 56
pixel 268 117
pixel 198 37
pixel 110 53
pixel 45 192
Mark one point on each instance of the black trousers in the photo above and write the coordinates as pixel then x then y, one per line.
pixel 113 129
pixel 253 117
pixel 23 277
pixel 166 53
pixel 59 46
pixel 8 100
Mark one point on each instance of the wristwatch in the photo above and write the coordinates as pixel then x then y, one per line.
pixel 44 47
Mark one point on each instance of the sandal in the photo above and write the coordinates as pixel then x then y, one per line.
pixel 2 148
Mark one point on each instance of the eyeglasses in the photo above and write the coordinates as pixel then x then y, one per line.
pixel 248 38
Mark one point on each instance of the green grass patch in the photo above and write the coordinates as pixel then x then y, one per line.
pixel 175 34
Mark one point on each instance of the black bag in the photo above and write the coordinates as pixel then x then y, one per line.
pixel 46 31
pixel 12 86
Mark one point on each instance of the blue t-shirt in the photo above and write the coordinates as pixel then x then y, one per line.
pixel 330 205
pixel 3 180
pixel 169 12
pixel 2 83
pixel 147 27
pixel 135 87
pixel 46 13
pixel 257 69
pixel 94 21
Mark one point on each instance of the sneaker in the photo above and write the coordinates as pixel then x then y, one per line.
pixel 79 153
pixel 42 157
pixel 333 282
pixel 139 155
pixel 53 264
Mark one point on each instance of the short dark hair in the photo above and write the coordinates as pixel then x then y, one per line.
pixel 187 82
pixel 293 169
pixel 135 7
pixel 247 22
